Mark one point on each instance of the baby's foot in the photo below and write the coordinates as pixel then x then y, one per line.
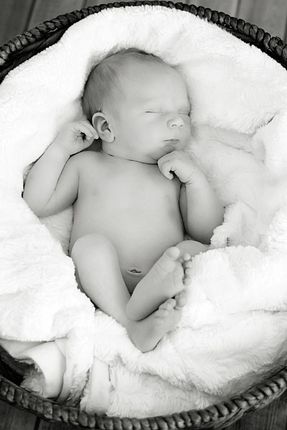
pixel 146 334
pixel 165 279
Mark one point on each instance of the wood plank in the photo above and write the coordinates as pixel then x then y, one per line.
pixel 44 10
pixel 12 418
pixel 13 19
pixel 270 15
pixel 96 2
pixel 47 425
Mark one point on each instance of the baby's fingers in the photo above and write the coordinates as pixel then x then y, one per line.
pixel 90 130
pixel 165 167
pixel 86 130
pixel 86 137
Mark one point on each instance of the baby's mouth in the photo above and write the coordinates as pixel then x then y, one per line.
pixel 171 144
pixel 174 141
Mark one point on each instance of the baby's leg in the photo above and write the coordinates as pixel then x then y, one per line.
pixel 99 273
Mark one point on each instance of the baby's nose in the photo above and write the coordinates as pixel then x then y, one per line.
pixel 175 122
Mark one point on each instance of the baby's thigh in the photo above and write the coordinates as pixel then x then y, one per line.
pixel 94 257
pixel 192 247
pixel 95 249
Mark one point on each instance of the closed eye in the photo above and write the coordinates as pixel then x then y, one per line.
pixel 159 112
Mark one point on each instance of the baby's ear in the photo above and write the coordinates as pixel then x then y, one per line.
pixel 102 127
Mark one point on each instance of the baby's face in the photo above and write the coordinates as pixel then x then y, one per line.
pixel 153 115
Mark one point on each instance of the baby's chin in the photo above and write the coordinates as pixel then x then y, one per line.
pixel 156 155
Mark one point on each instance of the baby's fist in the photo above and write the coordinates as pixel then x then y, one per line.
pixel 178 163
pixel 76 136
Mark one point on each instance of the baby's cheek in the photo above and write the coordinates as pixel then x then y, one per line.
pixel 188 133
pixel 151 129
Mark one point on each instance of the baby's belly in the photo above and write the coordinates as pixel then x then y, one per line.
pixel 140 250
pixel 138 244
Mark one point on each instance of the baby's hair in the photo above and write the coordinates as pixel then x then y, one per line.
pixel 103 79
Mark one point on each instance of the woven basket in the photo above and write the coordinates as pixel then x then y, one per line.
pixel 15 52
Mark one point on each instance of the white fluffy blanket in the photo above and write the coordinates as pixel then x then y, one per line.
pixel 233 330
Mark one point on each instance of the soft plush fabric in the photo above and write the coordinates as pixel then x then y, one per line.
pixel 233 329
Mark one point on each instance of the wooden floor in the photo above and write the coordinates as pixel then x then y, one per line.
pixel 18 15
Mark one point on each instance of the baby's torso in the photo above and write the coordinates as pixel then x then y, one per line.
pixel 132 204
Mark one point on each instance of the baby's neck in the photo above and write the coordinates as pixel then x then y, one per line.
pixel 124 157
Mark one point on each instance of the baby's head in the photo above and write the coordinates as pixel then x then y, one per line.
pixel 139 106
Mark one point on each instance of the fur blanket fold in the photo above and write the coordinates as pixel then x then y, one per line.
pixel 239 115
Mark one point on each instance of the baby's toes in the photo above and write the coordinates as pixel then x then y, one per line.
pixel 184 258
pixel 168 261
pixel 164 310
pixel 187 276
pixel 173 253
pixel 168 305
pixel 187 264
pixel 181 299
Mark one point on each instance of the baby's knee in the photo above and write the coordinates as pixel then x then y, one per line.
pixel 92 245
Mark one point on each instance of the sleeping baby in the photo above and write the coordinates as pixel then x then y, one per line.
pixel 137 201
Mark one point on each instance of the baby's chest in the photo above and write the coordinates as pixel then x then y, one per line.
pixel 141 192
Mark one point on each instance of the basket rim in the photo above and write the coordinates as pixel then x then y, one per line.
pixel 30 43
pixel 221 413
pixel 274 46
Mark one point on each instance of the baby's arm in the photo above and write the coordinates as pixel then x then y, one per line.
pixel 201 209
pixel 52 183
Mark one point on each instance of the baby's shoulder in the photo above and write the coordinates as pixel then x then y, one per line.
pixel 86 160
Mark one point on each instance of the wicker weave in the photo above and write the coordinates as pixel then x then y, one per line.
pixel 15 52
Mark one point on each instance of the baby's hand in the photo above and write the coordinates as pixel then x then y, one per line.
pixel 76 136
pixel 179 163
